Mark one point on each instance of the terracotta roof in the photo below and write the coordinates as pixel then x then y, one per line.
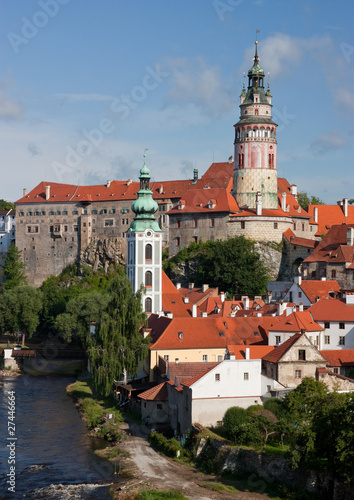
pixel 196 294
pixel 180 372
pixel 314 289
pixel 277 353
pixel 330 215
pixel 332 310
pixel 339 357
pixel 172 300
pixel 256 351
pixel 197 201
pixel 157 393
pixel 295 322
pixel 330 249
pixel 195 379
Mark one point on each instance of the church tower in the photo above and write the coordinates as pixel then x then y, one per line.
pixel 255 169
pixel 144 243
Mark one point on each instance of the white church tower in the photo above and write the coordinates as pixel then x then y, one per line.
pixel 144 243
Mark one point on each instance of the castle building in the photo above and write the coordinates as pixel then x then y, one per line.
pixel 144 245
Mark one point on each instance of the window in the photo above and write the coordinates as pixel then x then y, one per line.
pixel 166 357
pixel 341 340
pixel 333 273
pixel 94 210
pixel 303 227
pixel 195 222
pixel 277 339
pixel 148 252
pixel 212 222
pixel 177 241
pixel 275 225
pixel 246 376
pixel 219 423
pixel 299 295
pixel 195 239
pixel 205 357
pixel 302 355
pixel 243 225
pixel 297 373
pixel 108 222
pixel 148 305
pixel 148 279
pixel 341 326
pixel 336 370
pixel 294 226
pixel 327 339
pixel 220 358
pixel 74 212
pixel 313 274
pixel 217 377
pixel 76 228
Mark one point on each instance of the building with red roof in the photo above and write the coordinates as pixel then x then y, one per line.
pixel 326 216
pixel 307 292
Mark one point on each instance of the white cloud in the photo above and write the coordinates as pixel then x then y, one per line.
pixel 9 108
pixel 194 82
pixel 328 142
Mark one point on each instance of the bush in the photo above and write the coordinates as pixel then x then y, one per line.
pixel 168 447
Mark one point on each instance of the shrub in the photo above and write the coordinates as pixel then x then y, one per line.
pixel 168 447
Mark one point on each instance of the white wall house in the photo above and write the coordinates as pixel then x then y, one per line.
pixel 231 383
pixel 337 319
pixel 309 291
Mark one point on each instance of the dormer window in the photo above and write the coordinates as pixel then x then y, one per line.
pixel 211 204
pixel 181 204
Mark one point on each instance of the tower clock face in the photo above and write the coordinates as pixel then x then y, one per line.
pixel 148 233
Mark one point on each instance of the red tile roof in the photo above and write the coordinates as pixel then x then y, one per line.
pixel 278 352
pixel 196 295
pixel 339 357
pixel 332 310
pixel 332 247
pixel 301 242
pixel 330 215
pixel 314 289
pixel 157 393
pixel 193 380
pixel 180 372
pixel 295 322
pixel 256 351
pixel 197 201
pixel 172 300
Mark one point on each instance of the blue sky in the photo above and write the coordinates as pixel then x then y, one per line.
pixel 87 85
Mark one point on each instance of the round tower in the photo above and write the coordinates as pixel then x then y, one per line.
pixel 255 159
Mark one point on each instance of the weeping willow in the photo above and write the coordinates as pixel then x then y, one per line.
pixel 117 345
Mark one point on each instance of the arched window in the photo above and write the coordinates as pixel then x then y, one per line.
pixel 148 305
pixel 148 252
pixel 148 279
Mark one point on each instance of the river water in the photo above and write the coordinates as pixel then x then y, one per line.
pixel 54 457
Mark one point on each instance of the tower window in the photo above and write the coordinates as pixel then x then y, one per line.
pixel 148 305
pixel 148 279
pixel 256 111
pixel 148 252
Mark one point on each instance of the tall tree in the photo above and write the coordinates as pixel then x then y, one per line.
pixel 20 309
pixel 117 345
pixel 6 205
pixel 305 200
pixel 13 269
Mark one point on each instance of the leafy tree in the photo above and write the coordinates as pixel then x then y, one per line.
pixel 6 205
pixel 117 345
pixel 13 269
pixel 351 201
pixel 302 402
pixel 81 310
pixel 234 266
pixel 20 310
pixel 304 200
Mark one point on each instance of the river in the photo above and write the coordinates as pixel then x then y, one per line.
pixel 50 450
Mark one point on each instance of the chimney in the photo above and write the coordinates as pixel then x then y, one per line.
pixel 231 159
pixel 293 190
pixel 194 310
pixel 24 192
pixel 178 286
pixel 205 287
pixel 345 207
pixel 161 189
pixel 204 314
pixel 108 184
pixel 323 278
pixel 259 315
pixel 297 280
pixel 246 303
pixel 247 353
pixel 186 300
pixel 129 181
pixel 190 286
pixel 281 307
pixel 283 201
pixel 259 203
pixel 301 307
pixel 350 236
pixel 315 214
pixel 222 296
pixel 47 192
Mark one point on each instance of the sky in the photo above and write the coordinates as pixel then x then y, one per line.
pixel 87 85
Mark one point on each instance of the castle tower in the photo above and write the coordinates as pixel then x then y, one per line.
pixel 144 243
pixel 255 167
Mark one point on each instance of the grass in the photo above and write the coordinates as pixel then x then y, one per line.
pixel 278 451
pixel 111 453
pixel 215 486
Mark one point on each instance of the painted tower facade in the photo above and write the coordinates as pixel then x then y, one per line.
pixel 144 246
pixel 255 169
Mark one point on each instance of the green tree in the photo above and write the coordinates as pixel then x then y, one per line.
pixel 302 403
pixel 81 310
pixel 304 200
pixel 13 269
pixel 6 205
pixel 117 345
pixel 234 266
pixel 20 310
